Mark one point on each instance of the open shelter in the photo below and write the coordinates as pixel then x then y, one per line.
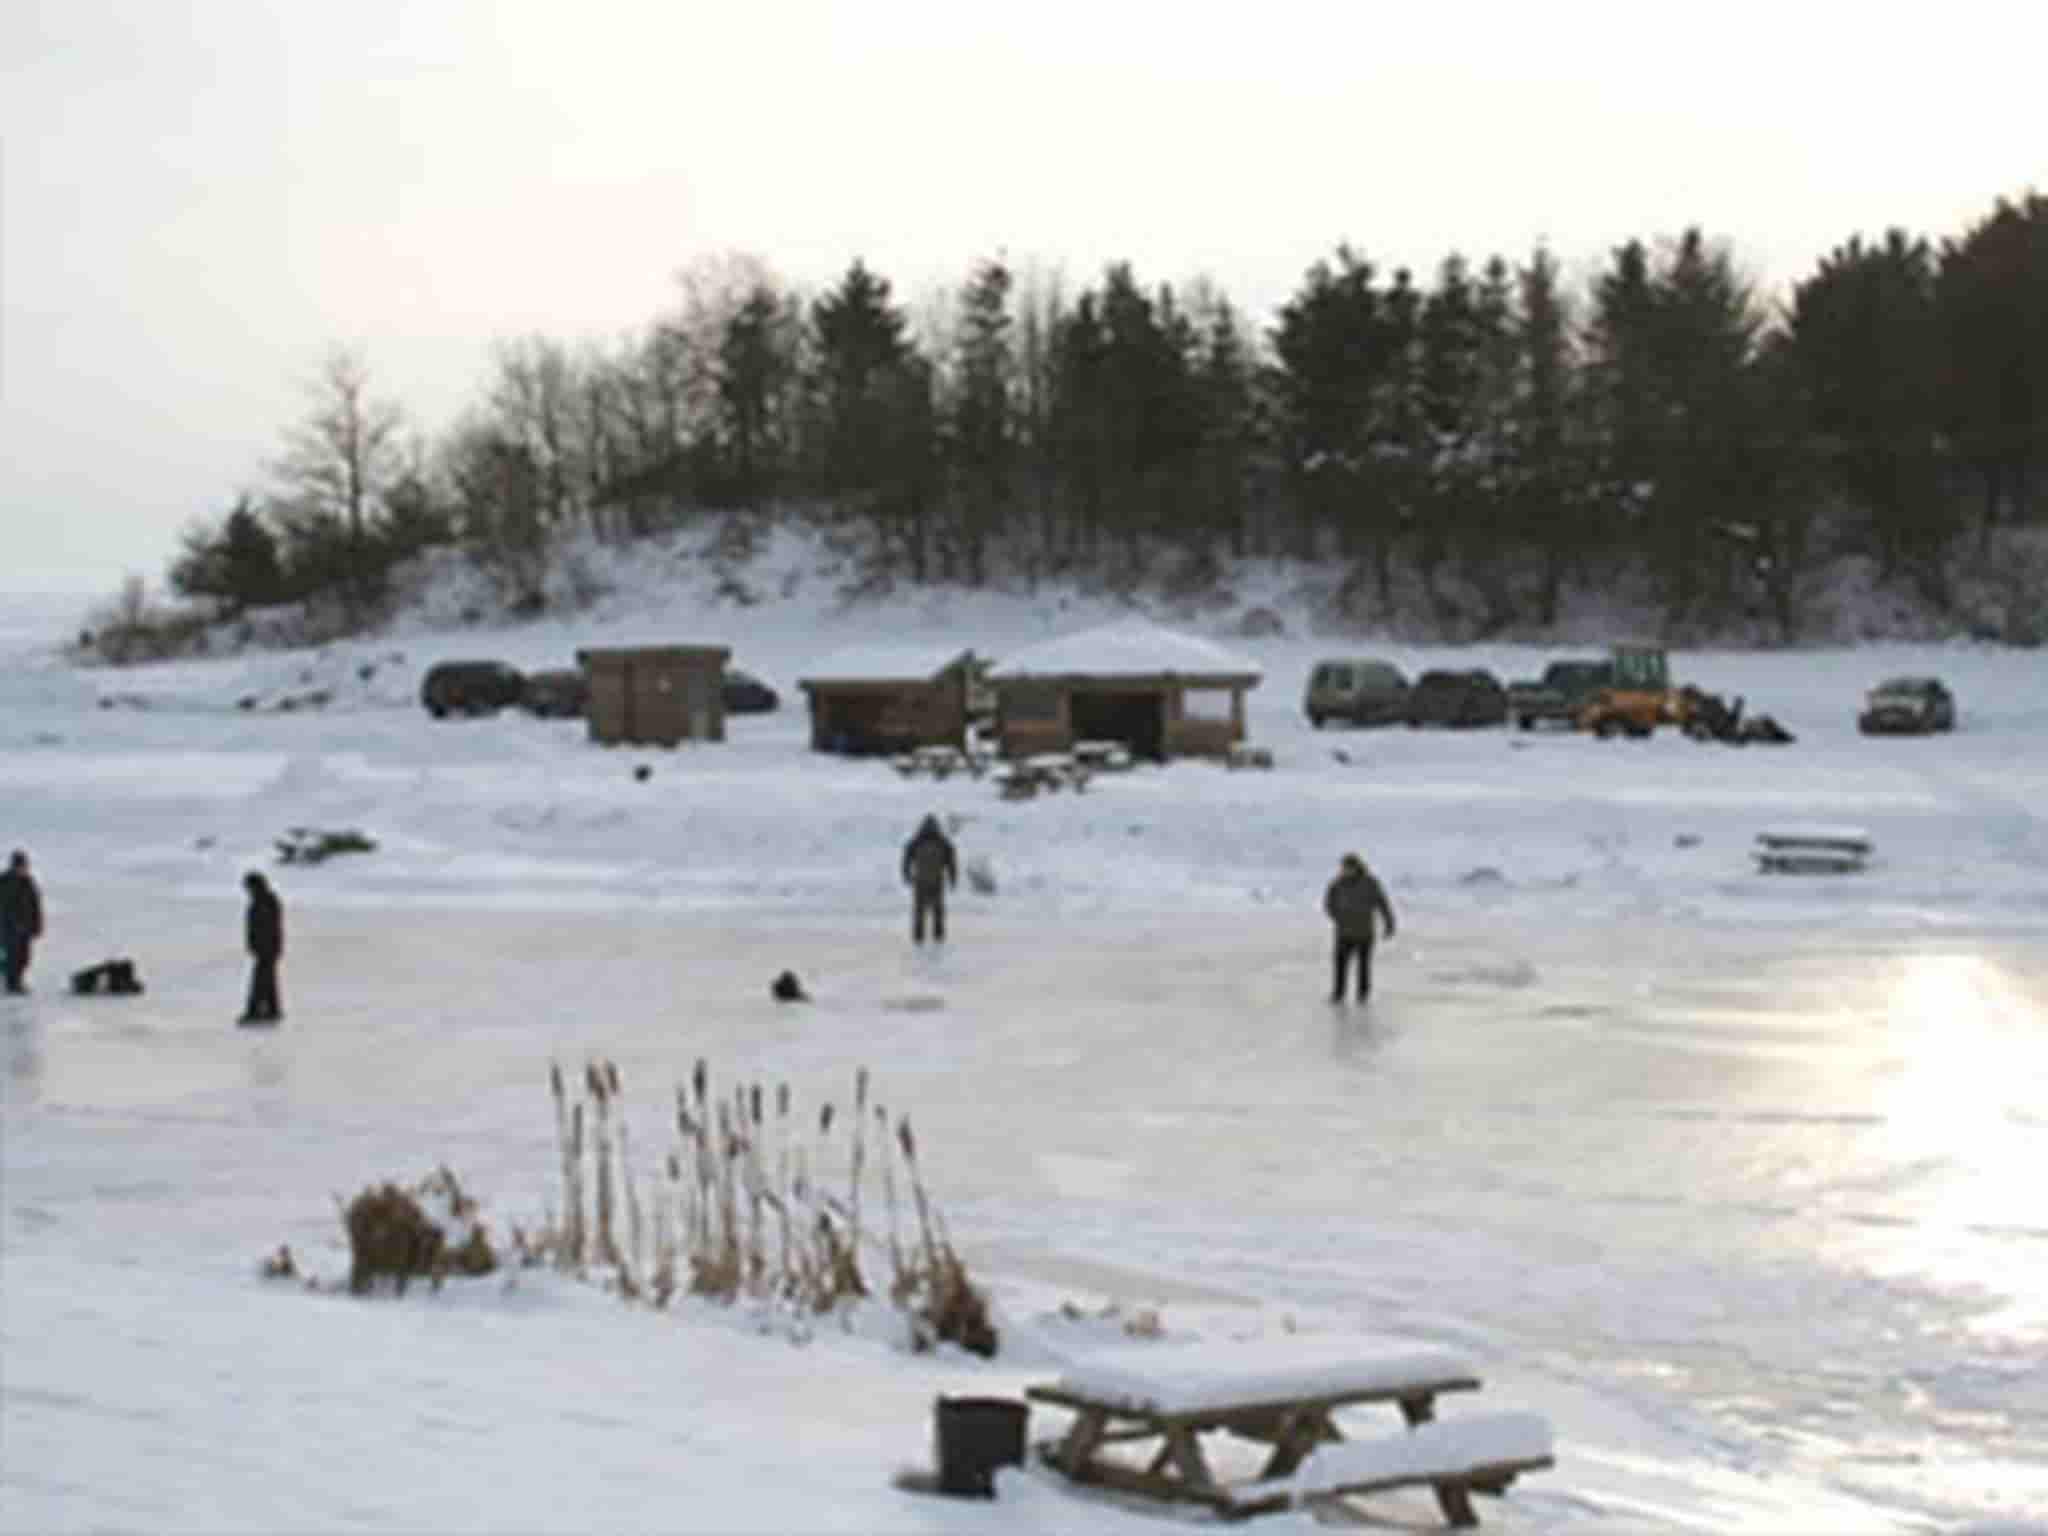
pixel 889 698
pixel 1156 692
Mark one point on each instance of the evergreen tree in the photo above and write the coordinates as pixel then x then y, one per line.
pixel 756 367
pixel 983 430
pixel 1865 349
pixel 236 563
pixel 1326 388
pixel 1992 293
pixel 860 348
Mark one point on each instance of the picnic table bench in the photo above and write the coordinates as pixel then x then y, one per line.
pixel 1284 1393
pixel 1821 850
pixel 1042 771
pixel 1102 756
pixel 940 762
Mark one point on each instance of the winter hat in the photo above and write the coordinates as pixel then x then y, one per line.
pixel 1352 861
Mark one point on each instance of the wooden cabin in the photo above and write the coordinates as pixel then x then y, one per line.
pixel 887 699
pixel 1158 693
pixel 655 695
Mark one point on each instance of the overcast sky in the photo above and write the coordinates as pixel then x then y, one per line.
pixel 198 198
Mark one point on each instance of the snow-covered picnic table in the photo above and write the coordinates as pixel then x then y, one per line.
pixel 1284 1393
pixel 1812 848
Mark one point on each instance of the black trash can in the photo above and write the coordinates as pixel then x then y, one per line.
pixel 974 1436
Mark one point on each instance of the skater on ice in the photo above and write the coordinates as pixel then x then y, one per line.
pixel 1356 904
pixel 929 868
pixel 21 919
pixel 264 931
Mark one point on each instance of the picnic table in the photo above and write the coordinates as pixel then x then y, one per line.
pixel 1812 849
pixel 1284 1393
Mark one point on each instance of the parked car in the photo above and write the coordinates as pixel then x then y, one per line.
pixel 1914 705
pixel 1559 694
pixel 1361 690
pixel 558 693
pixel 1473 697
pixel 471 688
pixel 746 694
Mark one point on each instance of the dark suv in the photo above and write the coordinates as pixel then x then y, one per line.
pixel 1457 698
pixel 557 693
pixel 471 688
pixel 745 694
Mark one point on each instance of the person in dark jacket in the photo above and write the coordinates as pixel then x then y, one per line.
pixel 1356 904
pixel 264 930
pixel 21 919
pixel 929 867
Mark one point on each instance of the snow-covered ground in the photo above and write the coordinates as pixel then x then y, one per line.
pixel 1733 1178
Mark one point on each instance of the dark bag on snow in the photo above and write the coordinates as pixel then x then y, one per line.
pixel 117 978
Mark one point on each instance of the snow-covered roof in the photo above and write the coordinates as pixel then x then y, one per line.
pixel 1128 648
pixel 884 664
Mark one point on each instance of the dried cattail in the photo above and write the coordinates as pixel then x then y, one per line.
pixel 611 1072
pixel 700 1080
pixel 906 1140
pixel 782 1099
pixel 825 1120
pixel 754 1102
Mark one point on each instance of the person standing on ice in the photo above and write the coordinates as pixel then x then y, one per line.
pixel 21 919
pixel 264 930
pixel 929 867
pixel 1356 904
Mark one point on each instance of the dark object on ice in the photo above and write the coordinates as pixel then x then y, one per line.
pixel 311 845
pixel 263 931
pixel 973 1436
pixel 1764 729
pixel 787 989
pixel 116 978
pixel 642 773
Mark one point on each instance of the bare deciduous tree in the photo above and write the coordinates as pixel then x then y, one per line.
pixel 339 465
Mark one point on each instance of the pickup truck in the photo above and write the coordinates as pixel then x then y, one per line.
pixel 1559 694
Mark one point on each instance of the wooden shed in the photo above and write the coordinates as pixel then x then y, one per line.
pixel 882 699
pixel 1158 693
pixel 655 695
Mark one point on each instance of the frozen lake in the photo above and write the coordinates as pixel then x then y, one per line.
pixel 1782 1187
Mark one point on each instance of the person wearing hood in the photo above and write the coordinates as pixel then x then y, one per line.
pixel 1356 903
pixel 263 929
pixel 929 867
pixel 21 919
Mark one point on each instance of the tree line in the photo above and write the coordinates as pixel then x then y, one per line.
pixel 1485 434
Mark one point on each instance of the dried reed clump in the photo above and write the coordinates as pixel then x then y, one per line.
pixel 392 1234
pixel 744 1205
